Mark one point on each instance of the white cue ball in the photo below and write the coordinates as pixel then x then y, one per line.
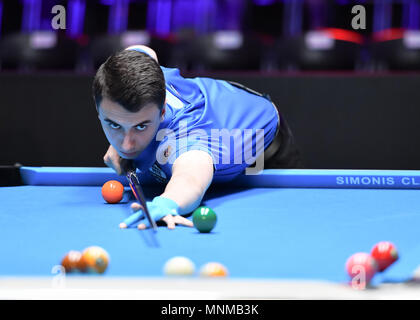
pixel 179 266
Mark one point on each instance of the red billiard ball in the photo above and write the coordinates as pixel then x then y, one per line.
pixel 73 261
pixel 385 254
pixel 363 266
pixel 112 191
pixel 96 259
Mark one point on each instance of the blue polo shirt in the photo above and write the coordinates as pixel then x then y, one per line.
pixel 231 124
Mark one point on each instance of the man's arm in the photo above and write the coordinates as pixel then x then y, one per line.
pixel 192 174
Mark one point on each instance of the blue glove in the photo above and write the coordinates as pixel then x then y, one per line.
pixel 158 208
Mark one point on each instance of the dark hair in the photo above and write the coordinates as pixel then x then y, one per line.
pixel 130 78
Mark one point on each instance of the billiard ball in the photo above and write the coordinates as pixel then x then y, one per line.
pixel 179 266
pixel 213 269
pixel 363 265
pixel 112 191
pixel 73 261
pixel 96 259
pixel 385 253
pixel 204 219
pixel 416 274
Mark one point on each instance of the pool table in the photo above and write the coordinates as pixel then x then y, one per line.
pixel 281 234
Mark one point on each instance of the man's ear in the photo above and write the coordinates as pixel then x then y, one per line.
pixel 162 112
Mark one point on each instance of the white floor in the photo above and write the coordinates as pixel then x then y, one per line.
pixel 98 288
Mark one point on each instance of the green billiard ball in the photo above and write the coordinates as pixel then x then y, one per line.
pixel 204 219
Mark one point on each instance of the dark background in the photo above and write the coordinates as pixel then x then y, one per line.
pixel 340 121
pixel 352 105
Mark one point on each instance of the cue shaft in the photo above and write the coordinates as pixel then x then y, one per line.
pixel 138 193
pixel 129 167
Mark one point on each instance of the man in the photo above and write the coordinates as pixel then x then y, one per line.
pixel 186 132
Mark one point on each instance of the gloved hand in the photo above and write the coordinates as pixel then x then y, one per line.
pixel 160 209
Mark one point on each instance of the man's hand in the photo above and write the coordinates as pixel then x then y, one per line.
pixel 192 174
pixel 170 220
pixel 160 209
pixel 113 160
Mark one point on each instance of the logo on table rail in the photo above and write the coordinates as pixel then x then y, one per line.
pixel 378 181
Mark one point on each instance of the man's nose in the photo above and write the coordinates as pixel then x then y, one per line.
pixel 128 144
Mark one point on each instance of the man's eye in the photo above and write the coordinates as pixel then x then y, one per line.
pixel 141 127
pixel 114 125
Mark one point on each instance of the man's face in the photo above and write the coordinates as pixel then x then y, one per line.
pixel 129 132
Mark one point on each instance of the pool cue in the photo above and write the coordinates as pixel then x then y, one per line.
pixel 134 183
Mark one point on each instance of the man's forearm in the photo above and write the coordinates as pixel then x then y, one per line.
pixel 186 190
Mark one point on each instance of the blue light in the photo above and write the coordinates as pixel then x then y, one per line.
pixel 382 15
pixel 76 9
pixel 292 17
pixel 1 14
pixel 185 20
pixel 118 16
pixel 159 17
pixel 411 15
pixel 107 2
pixel 31 19
pixel 264 2
pixel 206 11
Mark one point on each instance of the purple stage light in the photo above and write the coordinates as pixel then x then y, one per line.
pixel 264 2
pixel 229 15
pixel 31 19
pixel 382 17
pixel 353 2
pixel 292 17
pixel 205 12
pixel 319 40
pixel 43 39
pixel 118 16
pixel 318 13
pixel 1 14
pixel 228 40
pixel 411 15
pixel 159 17
pixel 166 16
pixel 76 10
pixel 185 20
pixel 107 2
pixel 411 39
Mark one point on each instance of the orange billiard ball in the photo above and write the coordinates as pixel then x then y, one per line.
pixel 74 261
pixel 213 269
pixel 112 191
pixel 96 259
